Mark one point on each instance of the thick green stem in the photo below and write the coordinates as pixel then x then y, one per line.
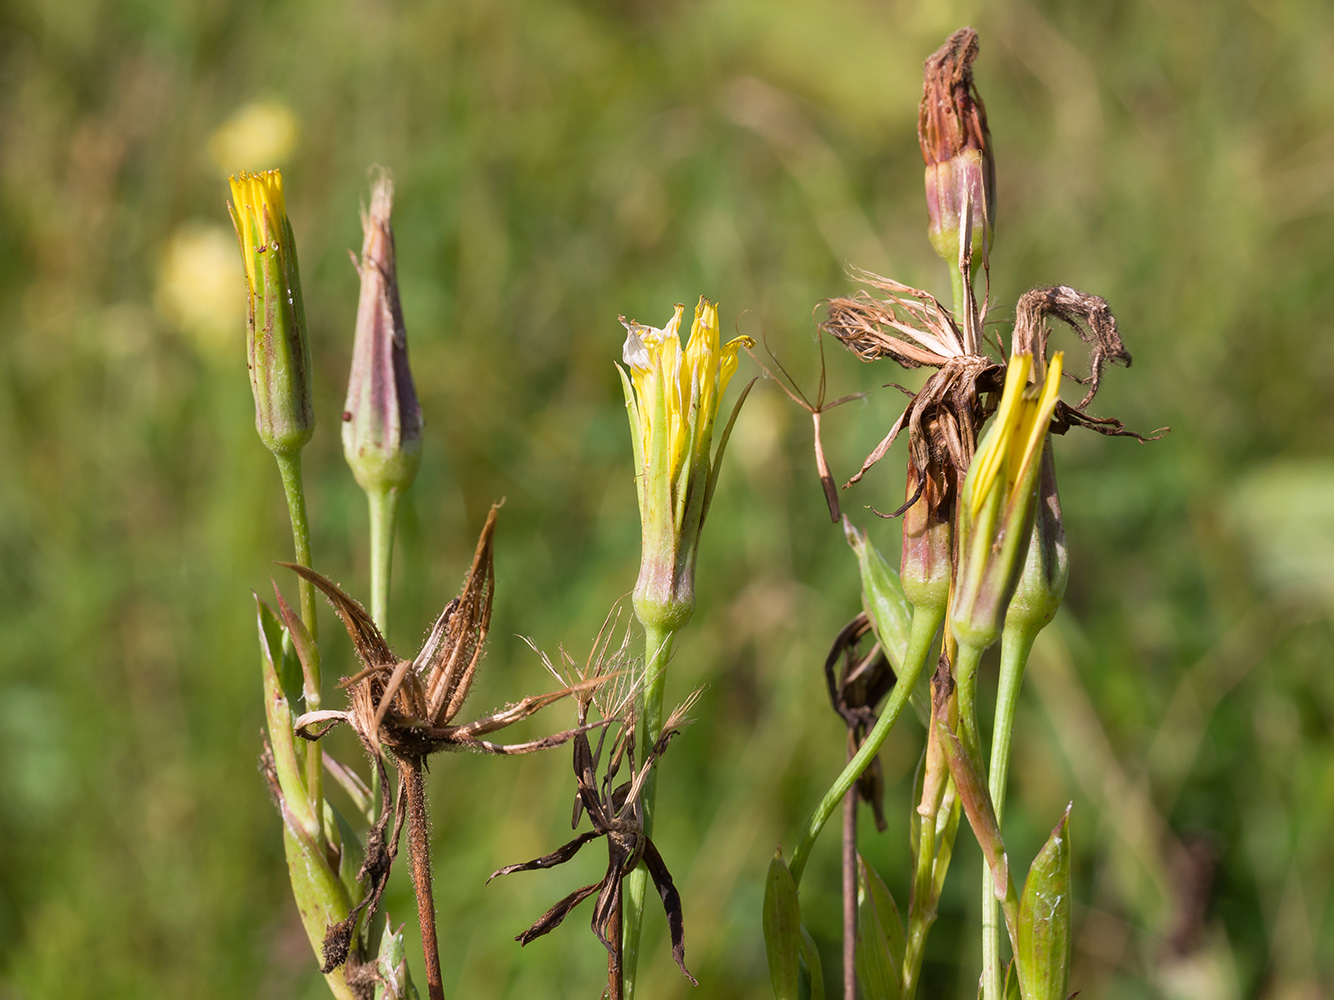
pixel 657 650
pixel 384 515
pixel 924 626
pixel 289 467
pixel 1016 643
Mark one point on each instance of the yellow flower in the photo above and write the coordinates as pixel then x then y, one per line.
pixel 998 502
pixel 671 396
pixel 276 343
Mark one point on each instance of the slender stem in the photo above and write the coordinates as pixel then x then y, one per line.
pixel 850 886
pixel 924 625
pixel 921 908
pixel 657 650
pixel 384 514
pixel 956 287
pixel 419 846
pixel 289 467
pixel 1016 643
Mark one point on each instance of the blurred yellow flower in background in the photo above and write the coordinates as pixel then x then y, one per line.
pixel 259 134
pixel 196 289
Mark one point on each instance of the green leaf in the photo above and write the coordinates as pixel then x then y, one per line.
pixel 1011 991
pixel 1044 920
pixel 287 758
pixel 320 897
pixel 782 929
pixel 880 941
pixel 812 973
pixel 882 594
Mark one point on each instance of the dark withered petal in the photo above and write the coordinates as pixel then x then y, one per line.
pixel 370 644
pixel 557 857
pixel 671 904
pixel 1089 316
pixel 550 920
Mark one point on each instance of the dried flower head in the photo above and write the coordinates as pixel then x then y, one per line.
pixel 956 147
pixel 615 811
pixel 408 706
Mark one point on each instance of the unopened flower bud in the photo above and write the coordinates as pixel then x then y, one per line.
pixel 926 561
pixel 672 396
pixel 956 146
pixel 382 422
pixel 276 342
pixel 997 503
pixel 1047 566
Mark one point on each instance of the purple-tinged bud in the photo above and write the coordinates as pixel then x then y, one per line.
pixel 276 342
pixel 926 562
pixel 956 146
pixel 1047 566
pixel 382 422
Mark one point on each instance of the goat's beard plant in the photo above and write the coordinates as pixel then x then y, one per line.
pixel 403 710
pixel 983 556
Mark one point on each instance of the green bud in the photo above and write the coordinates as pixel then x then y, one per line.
pixel 997 503
pixel 382 422
pixel 277 347
pixel 391 967
pixel 956 146
pixel 1047 565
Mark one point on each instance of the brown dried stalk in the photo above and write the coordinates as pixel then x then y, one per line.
pixel 854 691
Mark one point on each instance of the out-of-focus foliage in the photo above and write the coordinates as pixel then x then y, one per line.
pixel 558 164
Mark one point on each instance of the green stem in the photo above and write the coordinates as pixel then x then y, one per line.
pixel 956 287
pixel 925 622
pixel 384 515
pixel 1016 643
pixel 657 650
pixel 965 679
pixel 289 467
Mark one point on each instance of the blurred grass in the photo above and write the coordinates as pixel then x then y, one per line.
pixel 558 164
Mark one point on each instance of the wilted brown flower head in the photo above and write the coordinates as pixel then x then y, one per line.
pixel 911 327
pixel 408 706
pixel 615 811
pixel 956 147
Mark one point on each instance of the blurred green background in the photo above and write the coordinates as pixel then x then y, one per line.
pixel 559 163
